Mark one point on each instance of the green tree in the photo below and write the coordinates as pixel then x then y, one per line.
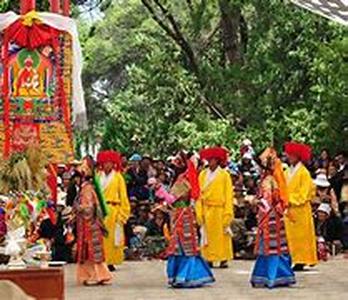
pixel 189 73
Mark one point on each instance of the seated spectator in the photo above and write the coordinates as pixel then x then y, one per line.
pixel 248 165
pixel 73 188
pixel 142 215
pixel 250 184
pixel 239 230
pixel 164 180
pixel 137 178
pixel 251 212
pixel 328 226
pixel 159 223
pixel 157 233
pixel 324 192
pixel 331 171
pixel 324 159
pixel 64 235
pixel 345 230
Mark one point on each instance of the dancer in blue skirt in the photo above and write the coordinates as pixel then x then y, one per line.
pixel 273 263
pixel 185 268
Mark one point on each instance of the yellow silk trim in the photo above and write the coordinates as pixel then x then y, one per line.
pixel 31 18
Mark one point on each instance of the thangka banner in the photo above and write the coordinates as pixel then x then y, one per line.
pixel 37 83
pixel 335 10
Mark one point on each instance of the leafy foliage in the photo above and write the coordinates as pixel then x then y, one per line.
pixel 286 82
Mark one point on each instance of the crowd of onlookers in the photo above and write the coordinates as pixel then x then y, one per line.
pixel 147 229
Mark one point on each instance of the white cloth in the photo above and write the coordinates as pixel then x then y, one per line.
pixel 292 171
pixel 204 238
pixel 211 175
pixel 105 179
pixel 118 239
pixel 65 24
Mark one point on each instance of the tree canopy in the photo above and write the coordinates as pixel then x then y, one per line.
pixel 161 75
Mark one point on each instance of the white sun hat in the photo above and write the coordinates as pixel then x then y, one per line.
pixel 322 181
pixel 325 207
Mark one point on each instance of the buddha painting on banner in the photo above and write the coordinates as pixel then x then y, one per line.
pixel 36 88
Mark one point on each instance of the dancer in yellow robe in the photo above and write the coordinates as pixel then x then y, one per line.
pixel 214 208
pixel 115 193
pixel 299 224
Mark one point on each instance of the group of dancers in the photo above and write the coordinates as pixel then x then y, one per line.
pixel 200 200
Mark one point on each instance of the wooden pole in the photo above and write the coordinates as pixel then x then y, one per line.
pixel 27 6
pixel 55 5
pixel 66 8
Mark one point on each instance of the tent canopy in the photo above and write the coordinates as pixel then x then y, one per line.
pixel 335 10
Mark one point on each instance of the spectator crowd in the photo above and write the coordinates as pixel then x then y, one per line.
pixel 147 229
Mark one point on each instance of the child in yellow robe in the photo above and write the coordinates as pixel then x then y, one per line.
pixel 115 193
pixel 214 209
pixel 300 225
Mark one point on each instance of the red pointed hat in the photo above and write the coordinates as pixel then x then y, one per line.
pixel 109 156
pixel 214 152
pixel 303 151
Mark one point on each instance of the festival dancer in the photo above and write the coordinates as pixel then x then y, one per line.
pixel 273 264
pixel 214 208
pixel 91 267
pixel 300 229
pixel 185 268
pixel 118 207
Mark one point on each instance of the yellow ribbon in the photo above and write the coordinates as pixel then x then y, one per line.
pixel 31 18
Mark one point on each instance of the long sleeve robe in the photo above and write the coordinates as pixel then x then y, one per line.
pixel 115 192
pixel 300 226
pixel 214 210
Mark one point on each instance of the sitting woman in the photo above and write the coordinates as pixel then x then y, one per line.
pixel 91 268
pixel 185 268
pixel 329 230
pixel 273 264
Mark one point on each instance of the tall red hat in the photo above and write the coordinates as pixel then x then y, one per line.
pixel 110 156
pixel 302 151
pixel 214 152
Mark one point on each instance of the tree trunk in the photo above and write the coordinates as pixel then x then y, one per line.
pixel 230 26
